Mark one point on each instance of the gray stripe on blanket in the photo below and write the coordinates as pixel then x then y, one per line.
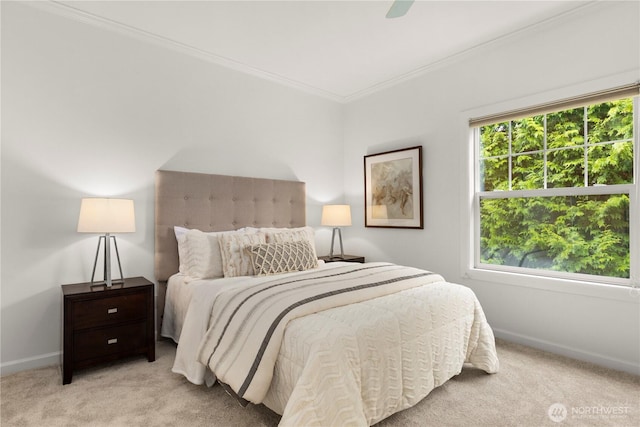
pixel 275 323
pixel 286 282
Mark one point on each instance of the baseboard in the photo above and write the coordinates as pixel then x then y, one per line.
pixel 30 363
pixel 586 356
pixel 598 359
pixel 41 361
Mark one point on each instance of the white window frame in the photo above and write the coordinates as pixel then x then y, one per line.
pixel 600 286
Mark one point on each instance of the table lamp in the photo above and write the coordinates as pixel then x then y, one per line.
pixel 336 216
pixel 106 216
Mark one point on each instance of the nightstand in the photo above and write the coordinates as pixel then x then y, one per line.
pixel 347 258
pixel 103 324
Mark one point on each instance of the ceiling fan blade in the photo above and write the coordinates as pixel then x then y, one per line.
pixel 399 8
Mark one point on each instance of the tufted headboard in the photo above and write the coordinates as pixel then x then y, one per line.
pixel 218 203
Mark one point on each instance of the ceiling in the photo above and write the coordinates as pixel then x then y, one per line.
pixel 338 49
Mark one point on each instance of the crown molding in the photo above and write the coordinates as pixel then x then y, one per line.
pixel 458 56
pixel 71 12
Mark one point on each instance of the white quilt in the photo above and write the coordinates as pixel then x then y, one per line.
pixel 356 364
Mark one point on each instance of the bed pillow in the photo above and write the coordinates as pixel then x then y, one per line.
pixel 181 238
pixel 276 258
pixel 199 252
pixel 235 260
pixel 283 235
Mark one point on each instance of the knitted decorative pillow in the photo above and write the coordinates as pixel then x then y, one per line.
pixel 235 261
pixel 276 258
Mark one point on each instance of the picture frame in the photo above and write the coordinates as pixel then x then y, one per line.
pixel 393 189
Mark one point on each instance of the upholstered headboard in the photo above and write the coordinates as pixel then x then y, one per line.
pixel 218 203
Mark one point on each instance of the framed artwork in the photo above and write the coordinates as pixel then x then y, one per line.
pixel 393 189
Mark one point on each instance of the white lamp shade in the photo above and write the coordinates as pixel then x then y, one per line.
pixel 99 215
pixel 336 215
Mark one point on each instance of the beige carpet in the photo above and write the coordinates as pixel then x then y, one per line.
pixel 138 393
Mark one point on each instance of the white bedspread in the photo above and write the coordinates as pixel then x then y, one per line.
pixel 359 363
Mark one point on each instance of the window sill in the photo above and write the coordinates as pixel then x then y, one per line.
pixel 614 292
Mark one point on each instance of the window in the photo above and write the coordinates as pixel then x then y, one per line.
pixel 556 189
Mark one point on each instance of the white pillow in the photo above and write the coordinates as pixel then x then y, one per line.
pixel 285 235
pixel 199 252
pixel 235 260
pixel 181 238
pixel 202 259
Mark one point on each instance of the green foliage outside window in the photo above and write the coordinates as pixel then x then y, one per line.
pixel 587 234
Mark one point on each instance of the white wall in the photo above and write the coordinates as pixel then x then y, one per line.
pixel 90 112
pixel 600 45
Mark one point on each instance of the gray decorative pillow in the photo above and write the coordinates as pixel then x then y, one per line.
pixel 276 258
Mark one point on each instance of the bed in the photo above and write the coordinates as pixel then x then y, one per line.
pixel 320 344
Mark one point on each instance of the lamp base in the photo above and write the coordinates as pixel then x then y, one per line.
pixel 333 238
pixel 107 262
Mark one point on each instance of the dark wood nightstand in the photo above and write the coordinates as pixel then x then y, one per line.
pixel 103 324
pixel 347 258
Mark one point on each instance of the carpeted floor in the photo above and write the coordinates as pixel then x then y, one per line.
pixel 138 393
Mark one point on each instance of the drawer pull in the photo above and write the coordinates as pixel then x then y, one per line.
pixel 112 310
pixel 112 341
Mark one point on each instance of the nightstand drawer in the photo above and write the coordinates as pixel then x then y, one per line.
pixel 102 342
pixel 105 311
